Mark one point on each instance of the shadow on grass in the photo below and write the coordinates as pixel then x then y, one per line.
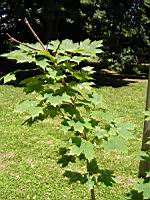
pixel 64 159
pixel 104 176
pixel 109 78
pixel 134 195
pixel 75 177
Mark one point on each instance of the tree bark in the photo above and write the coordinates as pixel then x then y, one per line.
pixel 93 194
pixel 145 165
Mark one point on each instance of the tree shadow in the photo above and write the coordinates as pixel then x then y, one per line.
pixel 109 78
pixel 134 195
pixel 64 159
pixel 75 177
pixel 104 176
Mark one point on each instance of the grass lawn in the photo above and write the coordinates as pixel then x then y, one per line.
pixel 29 154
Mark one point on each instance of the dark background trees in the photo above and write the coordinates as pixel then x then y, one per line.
pixel 122 25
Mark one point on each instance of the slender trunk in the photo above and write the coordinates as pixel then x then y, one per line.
pixel 92 194
pixel 145 165
pixel 92 191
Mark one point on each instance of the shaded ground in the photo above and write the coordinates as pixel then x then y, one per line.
pixel 104 77
pixel 108 78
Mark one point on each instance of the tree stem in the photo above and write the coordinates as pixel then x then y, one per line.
pixel 34 34
pixel 145 165
pixel 92 194
pixel 18 42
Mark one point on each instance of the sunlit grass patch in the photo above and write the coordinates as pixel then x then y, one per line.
pixel 29 154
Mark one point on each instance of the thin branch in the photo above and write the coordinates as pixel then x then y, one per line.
pixel 47 47
pixel 12 39
pixel 35 35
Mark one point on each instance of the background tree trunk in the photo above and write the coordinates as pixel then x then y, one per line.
pixel 145 165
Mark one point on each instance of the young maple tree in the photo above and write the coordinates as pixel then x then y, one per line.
pixel 82 111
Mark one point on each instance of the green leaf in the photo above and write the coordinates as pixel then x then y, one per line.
pixel 147 3
pixel 141 155
pixel 68 45
pixel 84 44
pixel 9 77
pixel 89 49
pixel 36 45
pixel 143 188
pixel 42 64
pixel 116 143
pixel 148 142
pixel 85 85
pixel 19 56
pixel 27 49
pixel 78 76
pixel 98 51
pixel 53 100
pixel 126 134
pixel 96 99
pixel 62 59
pixel 124 129
pixel 113 131
pixel 47 55
pixel 147 115
pixel 65 128
pixel 53 45
pixel 87 123
pixel 87 1
pixel 24 48
pixel 88 69
pixel 148 174
pixel 35 111
pixel 96 115
pixel 51 73
pixel 106 116
pixel 30 107
pixel 127 125
pixel 25 106
pixel 33 85
pixel 66 98
pixel 100 133
pixel 78 126
pixel 90 182
pixel 60 77
pixel 96 44
pixel 83 102
pixel 78 59
pixel 88 150
pixel 71 110
pixel 75 150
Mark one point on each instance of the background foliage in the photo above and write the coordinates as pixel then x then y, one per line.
pixel 124 28
pixel 122 25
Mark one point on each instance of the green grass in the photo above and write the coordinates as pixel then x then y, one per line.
pixel 29 154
